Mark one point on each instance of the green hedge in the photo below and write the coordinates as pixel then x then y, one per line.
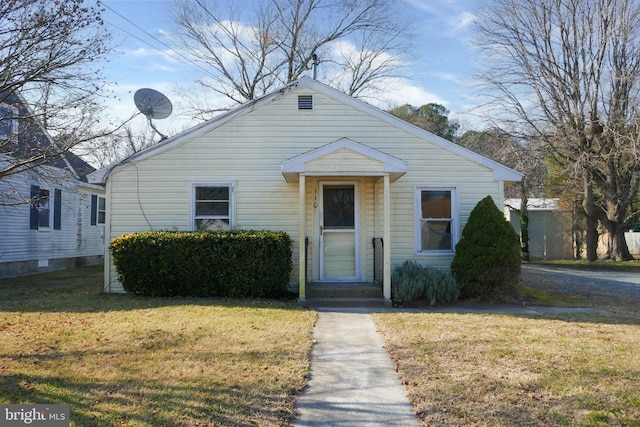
pixel 235 263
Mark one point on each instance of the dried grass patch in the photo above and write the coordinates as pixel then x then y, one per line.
pixel 129 361
pixel 496 370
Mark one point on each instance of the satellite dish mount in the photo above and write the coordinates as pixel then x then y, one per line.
pixel 153 105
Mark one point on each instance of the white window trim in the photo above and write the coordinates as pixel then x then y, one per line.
pixel 417 215
pixel 14 122
pixel 51 201
pixel 192 202
pixel 98 223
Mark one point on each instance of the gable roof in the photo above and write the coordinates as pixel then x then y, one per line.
pixel 500 172
pixel 370 162
pixel 33 139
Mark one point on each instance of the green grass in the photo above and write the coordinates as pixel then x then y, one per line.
pixel 121 360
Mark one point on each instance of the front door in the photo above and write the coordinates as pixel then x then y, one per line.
pixel 339 231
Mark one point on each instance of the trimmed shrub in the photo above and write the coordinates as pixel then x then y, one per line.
pixel 487 260
pixel 234 263
pixel 411 281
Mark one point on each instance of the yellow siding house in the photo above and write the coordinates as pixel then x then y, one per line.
pixel 335 173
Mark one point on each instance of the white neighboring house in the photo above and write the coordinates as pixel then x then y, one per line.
pixel 550 228
pixel 51 218
pixel 357 189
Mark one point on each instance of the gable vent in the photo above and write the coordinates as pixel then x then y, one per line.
pixel 305 102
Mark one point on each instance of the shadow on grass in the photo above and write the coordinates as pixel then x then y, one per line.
pixel 80 290
pixel 119 403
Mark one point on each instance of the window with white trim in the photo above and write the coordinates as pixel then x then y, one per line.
pixel 46 209
pixel 98 209
pixel 435 219
pixel 43 206
pixel 213 206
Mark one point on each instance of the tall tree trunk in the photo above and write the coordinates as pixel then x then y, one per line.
pixel 592 222
pixel 618 249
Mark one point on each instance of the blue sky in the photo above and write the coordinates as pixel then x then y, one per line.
pixel 443 72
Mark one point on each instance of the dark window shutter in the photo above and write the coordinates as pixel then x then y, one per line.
pixel 33 213
pixel 94 209
pixel 57 209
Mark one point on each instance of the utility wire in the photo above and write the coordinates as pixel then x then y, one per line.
pixel 180 55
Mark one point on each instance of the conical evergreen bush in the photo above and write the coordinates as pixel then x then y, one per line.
pixel 487 260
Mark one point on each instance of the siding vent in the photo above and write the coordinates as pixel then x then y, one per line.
pixel 305 102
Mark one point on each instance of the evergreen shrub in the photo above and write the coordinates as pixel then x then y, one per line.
pixel 487 259
pixel 233 263
pixel 411 281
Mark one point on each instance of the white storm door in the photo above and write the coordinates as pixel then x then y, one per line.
pixel 339 231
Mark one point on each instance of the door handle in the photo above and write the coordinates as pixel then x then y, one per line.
pixel 321 230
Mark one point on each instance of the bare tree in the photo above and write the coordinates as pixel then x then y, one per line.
pixel 48 52
pixel 526 156
pixel 247 51
pixel 116 146
pixel 567 72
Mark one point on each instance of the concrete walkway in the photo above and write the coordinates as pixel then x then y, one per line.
pixel 353 381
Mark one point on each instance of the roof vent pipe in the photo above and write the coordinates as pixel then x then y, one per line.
pixel 314 57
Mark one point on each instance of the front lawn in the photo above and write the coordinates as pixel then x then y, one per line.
pixel 121 360
pixel 497 370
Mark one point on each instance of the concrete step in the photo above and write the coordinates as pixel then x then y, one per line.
pixel 344 290
pixel 341 302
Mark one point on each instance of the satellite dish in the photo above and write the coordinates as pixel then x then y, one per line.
pixel 153 105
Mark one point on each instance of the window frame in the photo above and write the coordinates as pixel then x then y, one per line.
pixel 101 211
pixel 418 219
pixel 192 204
pixel 96 211
pixel 49 199
pixel 13 122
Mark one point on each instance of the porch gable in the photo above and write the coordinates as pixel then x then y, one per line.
pixel 343 157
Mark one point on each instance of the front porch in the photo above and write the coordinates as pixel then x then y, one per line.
pixel 344 201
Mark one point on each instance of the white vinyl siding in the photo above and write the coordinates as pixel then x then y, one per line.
pixel 248 150
pixel 76 238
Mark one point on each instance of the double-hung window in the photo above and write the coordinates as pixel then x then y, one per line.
pixel 98 209
pixel 212 207
pixel 46 208
pixel 435 214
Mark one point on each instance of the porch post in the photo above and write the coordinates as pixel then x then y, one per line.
pixel 386 280
pixel 302 253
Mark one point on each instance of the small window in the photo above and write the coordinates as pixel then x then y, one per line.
pixel 102 210
pixel 98 210
pixel 44 209
pixel 305 102
pixel 212 207
pixel 435 220
pixel 8 124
